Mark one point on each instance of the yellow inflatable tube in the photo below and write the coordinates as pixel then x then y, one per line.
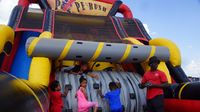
pixel 6 35
pixel 40 68
pixel 22 86
pixel 65 63
pixel 99 66
pixel 175 55
pixel 162 66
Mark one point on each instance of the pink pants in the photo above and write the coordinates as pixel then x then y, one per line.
pixel 84 107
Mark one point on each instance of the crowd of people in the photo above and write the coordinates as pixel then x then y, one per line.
pixel 113 97
pixel 154 80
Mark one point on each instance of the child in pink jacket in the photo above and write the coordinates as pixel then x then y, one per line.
pixel 83 104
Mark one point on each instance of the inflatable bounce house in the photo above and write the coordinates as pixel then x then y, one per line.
pixel 39 45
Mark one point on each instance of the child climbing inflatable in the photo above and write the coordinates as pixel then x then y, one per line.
pixel 83 104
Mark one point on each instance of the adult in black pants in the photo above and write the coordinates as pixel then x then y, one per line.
pixel 155 80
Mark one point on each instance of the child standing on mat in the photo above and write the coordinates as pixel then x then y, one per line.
pixel 113 97
pixel 83 104
pixel 56 103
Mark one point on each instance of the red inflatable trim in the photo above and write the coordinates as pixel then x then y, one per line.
pixel 182 105
pixel 25 3
pixel 122 9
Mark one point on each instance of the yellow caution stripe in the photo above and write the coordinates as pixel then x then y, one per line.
pixel 153 50
pixel 66 49
pixel 45 34
pixel 32 46
pixel 98 51
pixel 133 40
pixel 180 91
pixel 126 53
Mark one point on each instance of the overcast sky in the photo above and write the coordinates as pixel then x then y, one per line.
pixel 176 20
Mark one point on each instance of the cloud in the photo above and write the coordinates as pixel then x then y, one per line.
pixel 146 28
pixel 193 68
pixel 6 7
pixel 152 34
pixel 35 6
pixel 190 46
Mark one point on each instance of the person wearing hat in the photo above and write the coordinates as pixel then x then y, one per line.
pixel 155 80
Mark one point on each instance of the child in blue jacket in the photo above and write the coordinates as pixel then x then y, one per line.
pixel 113 97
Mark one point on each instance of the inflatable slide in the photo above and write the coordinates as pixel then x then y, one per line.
pixel 38 46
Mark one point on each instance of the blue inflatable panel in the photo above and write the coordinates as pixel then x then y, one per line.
pixel 21 63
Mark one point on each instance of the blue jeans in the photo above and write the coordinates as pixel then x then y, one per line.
pixel 117 110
